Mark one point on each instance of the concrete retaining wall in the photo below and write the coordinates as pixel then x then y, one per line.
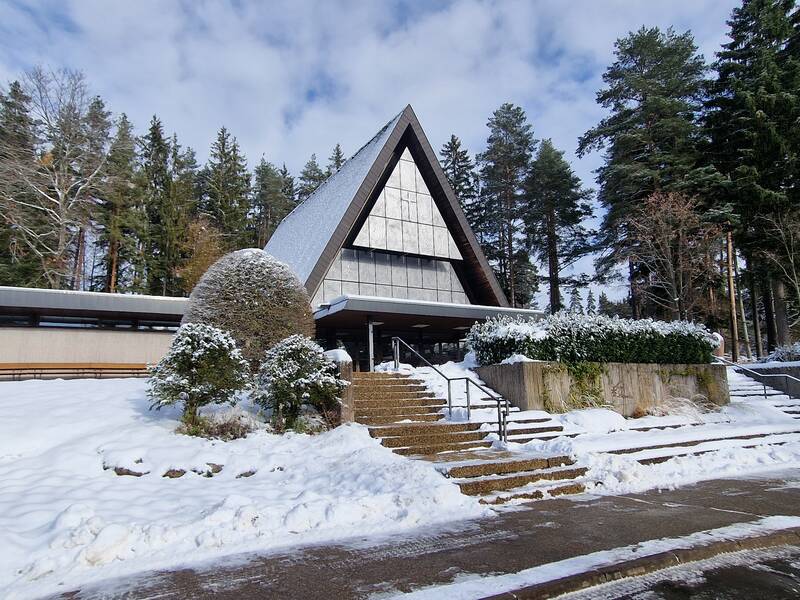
pixel 81 345
pixel 632 389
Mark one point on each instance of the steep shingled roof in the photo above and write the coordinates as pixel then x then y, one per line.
pixel 301 237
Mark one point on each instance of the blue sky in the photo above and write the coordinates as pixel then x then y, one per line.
pixel 292 78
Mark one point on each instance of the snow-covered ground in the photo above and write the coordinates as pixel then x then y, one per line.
pixel 591 436
pixel 66 518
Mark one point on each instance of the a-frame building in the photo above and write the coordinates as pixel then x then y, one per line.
pixel 384 250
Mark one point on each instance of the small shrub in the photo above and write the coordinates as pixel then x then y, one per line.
pixel 254 297
pixel 225 426
pixel 574 338
pixel 789 353
pixel 203 366
pixel 295 372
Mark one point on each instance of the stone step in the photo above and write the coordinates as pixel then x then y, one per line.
pixel 381 377
pixel 415 409
pixel 397 419
pixel 695 442
pixel 429 440
pixel 398 402
pixel 430 449
pixel 484 468
pixel 654 460
pixel 497 483
pixel 540 493
pixel 421 429
pixel 381 395
pixel 529 430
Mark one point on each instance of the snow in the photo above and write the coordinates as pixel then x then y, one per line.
pixel 339 355
pixel 591 435
pixel 515 358
pixel 469 586
pixel 66 518
pixel 302 235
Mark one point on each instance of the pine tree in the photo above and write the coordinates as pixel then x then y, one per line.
pixel 591 306
pixel 287 185
pixel 154 160
pixel 19 266
pixel 335 161
pixel 503 168
pixel 311 177
pixel 556 211
pixel 227 190
pixel 120 218
pixel 753 121
pixel 460 171
pixel 575 301
pixel 270 204
pixel 653 92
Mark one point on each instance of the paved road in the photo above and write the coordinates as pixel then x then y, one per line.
pixel 516 539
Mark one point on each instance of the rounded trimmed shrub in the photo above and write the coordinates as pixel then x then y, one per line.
pixel 203 366
pixel 296 372
pixel 255 298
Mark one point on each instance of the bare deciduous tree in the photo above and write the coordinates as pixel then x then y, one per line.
pixel 674 248
pixel 47 196
pixel 781 251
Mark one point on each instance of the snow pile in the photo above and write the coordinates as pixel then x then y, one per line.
pixel 515 358
pixel 66 518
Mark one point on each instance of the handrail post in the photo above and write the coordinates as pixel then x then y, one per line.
pixel 396 352
pixel 449 400
pixel 466 387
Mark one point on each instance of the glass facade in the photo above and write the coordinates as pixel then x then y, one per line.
pixel 403 250
pixel 406 219
pixel 373 273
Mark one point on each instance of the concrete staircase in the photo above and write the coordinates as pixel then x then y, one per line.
pixel 408 419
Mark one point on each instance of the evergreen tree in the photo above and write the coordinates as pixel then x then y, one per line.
pixel 270 204
pixel 335 161
pixel 18 265
pixel 575 301
pixel 557 208
pixel 460 171
pixel 227 190
pixel 653 91
pixel 154 159
pixel 503 168
pixel 753 121
pixel 287 185
pixel 121 219
pixel 311 177
pixel 591 306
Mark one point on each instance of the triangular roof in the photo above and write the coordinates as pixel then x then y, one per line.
pixel 310 237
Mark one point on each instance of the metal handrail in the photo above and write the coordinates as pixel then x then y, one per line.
pixel 756 373
pixel 502 415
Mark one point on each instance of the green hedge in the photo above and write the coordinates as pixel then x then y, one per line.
pixel 572 338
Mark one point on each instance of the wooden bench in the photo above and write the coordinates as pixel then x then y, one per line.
pixel 20 371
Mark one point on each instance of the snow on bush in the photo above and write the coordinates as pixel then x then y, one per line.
pixel 789 353
pixel 296 372
pixel 572 338
pixel 254 297
pixel 203 366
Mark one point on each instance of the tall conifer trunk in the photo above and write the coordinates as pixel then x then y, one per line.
pixel 552 261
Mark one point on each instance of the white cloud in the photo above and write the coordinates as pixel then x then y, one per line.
pixel 291 78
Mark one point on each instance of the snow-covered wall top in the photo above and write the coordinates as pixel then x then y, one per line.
pixel 302 236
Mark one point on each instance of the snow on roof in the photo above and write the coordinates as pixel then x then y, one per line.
pixel 302 236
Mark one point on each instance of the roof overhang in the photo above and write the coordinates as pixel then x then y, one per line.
pixel 31 301
pixel 352 311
